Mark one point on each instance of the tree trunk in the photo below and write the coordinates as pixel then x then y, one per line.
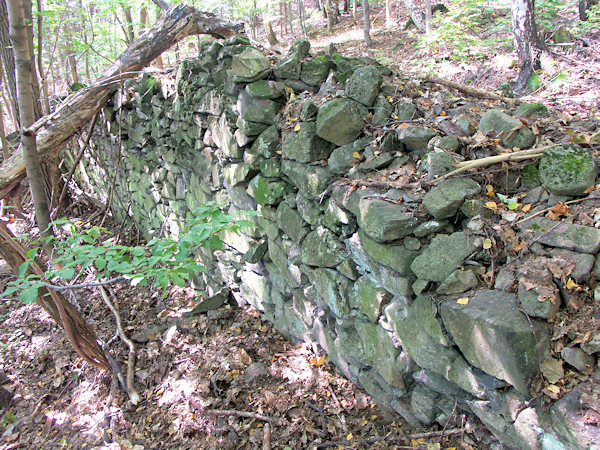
pixel 56 129
pixel 3 139
pixel 584 6
pixel 529 46
pixel 367 22
pixel 416 15
pixel 301 16
pixel 290 15
pixel 428 16
pixel 40 62
pixel 354 9
pixel 270 34
pixel 388 14
pixel 21 48
pixel 8 60
pixel 328 10
pixel 129 24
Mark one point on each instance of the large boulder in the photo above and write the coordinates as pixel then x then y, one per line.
pixel 514 134
pixel 249 65
pixel 363 86
pixel 567 170
pixel 304 145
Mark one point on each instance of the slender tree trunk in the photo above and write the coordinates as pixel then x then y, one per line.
pixel 528 43
pixel 21 47
pixel 428 16
pixel 367 22
pixel 5 148
pixel 281 18
pixel 329 12
pixel 9 105
pixel 270 33
pixel 40 62
pixel 318 5
pixel 35 85
pixel 354 10
pixel 159 60
pixel 129 24
pixel 71 58
pixel 301 15
pixel 8 60
pixel 388 13
pixel 290 14
pixel 346 6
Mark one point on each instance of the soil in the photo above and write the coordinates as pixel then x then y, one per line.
pixel 226 378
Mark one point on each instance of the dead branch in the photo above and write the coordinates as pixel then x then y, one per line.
pixel 56 129
pixel 473 92
pixel 393 438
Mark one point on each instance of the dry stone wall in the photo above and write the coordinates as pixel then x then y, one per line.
pixel 347 251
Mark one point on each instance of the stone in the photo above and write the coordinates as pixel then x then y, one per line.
pixel 396 257
pixel 321 248
pixel 250 128
pixel 288 68
pixel 584 263
pixel 430 227
pixel 405 109
pixel 363 85
pixel 310 180
pixel 382 110
pixel 271 168
pixel 266 143
pixel 415 138
pixel 333 288
pixel 371 297
pixel 314 72
pixel 300 86
pixel 223 136
pixel 385 221
pixel 569 236
pixel 532 306
pixel 235 174
pixel 438 163
pixel 343 158
pixel 286 271
pixel 308 209
pixel 442 144
pixel 380 351
pixel 257 110
pixel 256 252
pixel 423 404
pixel 250 64
pixel 530 177
pixel 265 191
pixel 338 219
pixel 300 48
pixel 531 111
pixel 255 288
pixel 340 121
pixel 444 255
pixel 577 358
pixel 424 310
pixel 493 122
pixel 265 89
pixel 459 281
pixel 496 337
pixel 567 170
pixel 304 145
pixel 291 223
pixel 348 269
pixel 444 200
pixel 505 279
pixel 309 111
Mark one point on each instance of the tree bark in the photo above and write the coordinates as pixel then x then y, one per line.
pixel 57 128
pixel 416 15
pixel 329 12
pixel 388 14
pixel 527 40
pixel 21 47
pixel 270 33
pixel 40 62
pixel 367 22
pixel 428 17
pixel 8 60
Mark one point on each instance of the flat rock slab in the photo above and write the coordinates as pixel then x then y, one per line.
pixel 570 236
pixel 496 337
pixel 385 221
pixel 444 200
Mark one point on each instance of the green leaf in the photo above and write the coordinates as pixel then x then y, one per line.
pixel 138 251
pixel 29 295
pixel 65 274
pixel 100 264
pixel 11 290
pixel 534 82
pixel 513 205
pixel 216 242
pixel 23 269
pixel 120 266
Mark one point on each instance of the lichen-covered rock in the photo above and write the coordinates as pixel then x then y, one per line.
pixel 251 64
pixel 496 337
pixel 423 403
pixel 371 297
pixel 458 281
pixel 304 145
pixel 267 143
pixel 288 68
pixel 415 138
pixel 265 89
pixel 235 174
pixel 223 136
pixel 444 200
pixel 397 257
pixel 250 128
pixel 567 170
pixel 405 109
pixel 340 121
pixel 315 71
pixel 265 191
pixel 531 111
pixel 382 110
pixel 256 109
pixel 300 48
pixel 343 158
pixel 535 306
pixel 309 111
pixel 310 180
pixel 495 122
pixel 569 236
pixel 385 221
pixel 291 223
pixel 333 288
pixel 321 248
pixel 363 86
pixel 439 163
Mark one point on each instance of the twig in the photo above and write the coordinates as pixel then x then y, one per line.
pixel 134 397
pixel 266 437
pixel 246 414
pixel 544 211
pixel 514 156
pixel 83 285
pixel 392 438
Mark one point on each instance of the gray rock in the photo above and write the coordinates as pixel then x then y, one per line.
pixel 577 358
pixel 423 404
pixel 291 223
pixel 405 109
pixel 371 297
pixel 288 68
pixel 382 110
pixel 495 122
pixel 314 72
pixel 251 64
pixel 340 121
pixel 304 145
pixel 309 210
pixel 333 288
pixel 256 252
pixel 321 248
pixel 397 257
pixel 505 279
pixel 444 200
pixel 265 191
pixel 384 221
pixel 569 236
pixel 363 86
pixel 533 307
pixel 430 227
pixel 265 89
pixel 310 180
pixel 235 174
pixel 257 110
pixel 438 163
pixel 300 48
pixel 567 170
pixel 584 263
pixel 343 158
pixel 531 111
pixel 266 143
pixel 309 111
pixel 415 138
pixel 458 281
pixel 250 128
pixel 444 255
pixel 495 337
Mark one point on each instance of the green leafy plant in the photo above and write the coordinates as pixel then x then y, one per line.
pixel 593 20
pixel 161 262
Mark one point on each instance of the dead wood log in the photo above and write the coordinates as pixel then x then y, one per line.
pixel 473 92
pixel 56 129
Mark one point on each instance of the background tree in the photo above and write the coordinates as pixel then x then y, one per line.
pixel 527 40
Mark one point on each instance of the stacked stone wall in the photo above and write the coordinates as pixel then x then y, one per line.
pixel 351 249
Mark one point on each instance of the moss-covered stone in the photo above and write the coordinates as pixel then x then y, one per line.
pixel 321 248
pixel 265 191
pixel 495 122
pixel 567 170
pixel 340 121
pixel 315 71
pixel 397 257
pixel 363 86
pixel 265 89
pixel 304 145
pixel 385 221
pixel 371 297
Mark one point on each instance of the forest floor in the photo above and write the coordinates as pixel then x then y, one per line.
pixel 227 379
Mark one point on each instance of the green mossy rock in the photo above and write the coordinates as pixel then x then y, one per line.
pixel 567 170
pixel 363 86
pixel 340 121
pixel 495 122
pixel 304 145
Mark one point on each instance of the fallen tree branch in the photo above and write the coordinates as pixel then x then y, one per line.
pixel 56 129
pixel 473 92
pixel 392 438
pixel 521 155
pixel 245 414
